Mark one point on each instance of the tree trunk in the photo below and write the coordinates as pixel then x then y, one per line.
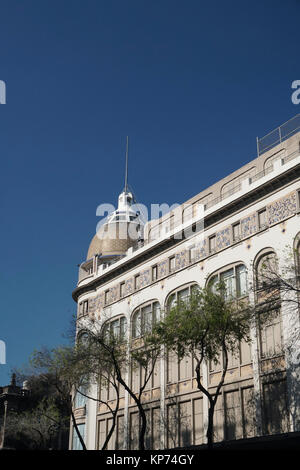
pixel 210 427
pixel 141 412
pixel 110 432
pixel 77 431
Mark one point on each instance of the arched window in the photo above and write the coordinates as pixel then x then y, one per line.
pixel 83 337
pixel 270 333
pixel 265 272
pixel 297 256
pixel 116 327
pixel 179 370
pixel 234 279
pixel 144 318
pixel 181 294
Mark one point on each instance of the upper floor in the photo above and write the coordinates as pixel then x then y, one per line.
pixel 270 171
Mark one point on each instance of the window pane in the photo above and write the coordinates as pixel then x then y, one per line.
pixel 106 331
pixel 123 327
pixel 236 232
pixel 228 278
pixel 136 325
pixel 172 263
pixel 212 244
pixel 156 312
pixel 266 270
pixel 115 328
pixel 147 318
pixel 183 294
pixel 241 279
pixel 262 219
pixel 193 253
pixel 171 301
pixel 80 400
pixel 76 445
pixel 213 283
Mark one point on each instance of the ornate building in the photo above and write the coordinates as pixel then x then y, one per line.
pixel 251 214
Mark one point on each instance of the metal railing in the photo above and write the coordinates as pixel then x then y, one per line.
pixel 225 195
pixel 278 135
pixel 261 174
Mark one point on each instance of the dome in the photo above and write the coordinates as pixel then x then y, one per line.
pixel 120 232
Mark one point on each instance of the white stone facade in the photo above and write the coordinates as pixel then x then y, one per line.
pixel 177 410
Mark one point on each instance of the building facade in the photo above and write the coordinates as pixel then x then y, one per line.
pixel 228 230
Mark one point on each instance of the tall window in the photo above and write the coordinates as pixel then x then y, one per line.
pixel 270 327
pixel 137 282
pixel 234 279
pixel 80 398
pixel 84 307
pixel 266 273
pixel 236 232
pixel 144 318
pixel 179 370
pixel 212 244
pixel 193 253
pixel 262 219
pixel 154 272
pixel 122 289
pixel 298 260
pixel 172 264
pixel 76 444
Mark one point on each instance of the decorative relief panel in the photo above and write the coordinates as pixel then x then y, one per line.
pixel 162 268
pixel 248 225
pixel 203 248
pixel 114 293
pixel 181 259
pixel 223 238
pixel 282 209
pixel 277 211
pixel 92 304
pixel 145 278
pixel 129 286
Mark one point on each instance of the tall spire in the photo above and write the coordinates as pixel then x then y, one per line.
pixel 126 167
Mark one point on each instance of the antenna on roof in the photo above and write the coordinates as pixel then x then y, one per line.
pixel 126 167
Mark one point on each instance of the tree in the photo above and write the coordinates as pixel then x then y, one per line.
pixel 37 428
pixel 118 357
pixel 40 420
pixel 60 368
pixel 201 327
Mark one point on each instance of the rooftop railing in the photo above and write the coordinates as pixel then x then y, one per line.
pixel 278 135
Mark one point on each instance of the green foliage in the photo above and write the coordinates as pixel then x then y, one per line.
pixel 203 324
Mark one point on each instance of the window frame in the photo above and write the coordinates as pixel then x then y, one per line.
pixel 236 239
pixel 106 297
pixel 171 259
pixel 154 267
pixel 122 290
pixel 210 249
pixel 137 279
pixel 265 225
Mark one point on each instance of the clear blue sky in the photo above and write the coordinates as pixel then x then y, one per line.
pixel 191 82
